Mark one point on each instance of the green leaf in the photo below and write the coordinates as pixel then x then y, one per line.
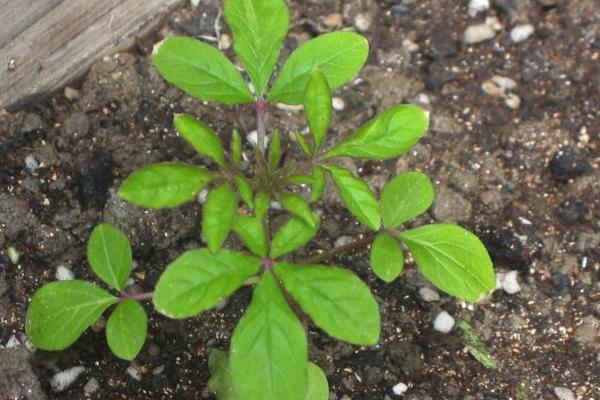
pixel 259 27
pixel 298 179
pixel 261 205
pixel 164 185
pixel 268 348
pixel 202 138
pixel 336 300
pixel 475 345
pixel 200 70
pixel 357 196
pixel 252 232
pixel 303 143
pixel 217 215
pixel 221 381
pixel 236 148
pixel 453 259
pixel 60 312
pixel 274 151
pixel 338 55
pixel 296 205
pixel 387 257
pixel 317 106
pixel 319 182
pixel 198 280
pixel 388 135
pixel 245 190
pixel 126 329
pixel 293 234
pixel 109 254
pixel 318 388
pixel 404 197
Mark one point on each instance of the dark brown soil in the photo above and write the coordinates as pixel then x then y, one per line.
pixel 525 179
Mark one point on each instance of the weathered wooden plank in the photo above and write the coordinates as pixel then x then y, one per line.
pixel 61 44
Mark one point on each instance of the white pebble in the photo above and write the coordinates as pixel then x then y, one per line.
pixel 224 42
pixel 477 6
pixel 63 379
pixel 252 138
pixel 195 3
pixel 91 386
pixel 64 273
pixel 510 284
pixel 343 240
pixel 512 101
pixel 290 107
pixel 478 33
pixel 428 294
pixel 338 103
pixel 520 33
pixel 499 280
pixel 443 322
pixel 134 372
pixel 564 393
pixel 13 343
pixel 504 82
pixel 275 205
pixel 362 22
pixel 400 388
pixel 202 196
pixel 31 163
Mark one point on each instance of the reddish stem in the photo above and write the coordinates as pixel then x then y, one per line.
pixel 137 296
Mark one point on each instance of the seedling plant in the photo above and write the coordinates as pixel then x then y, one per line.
pixel 267 358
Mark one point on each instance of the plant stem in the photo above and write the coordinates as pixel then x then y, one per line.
pixel 261 115
pixel 137 296
pixel 357 244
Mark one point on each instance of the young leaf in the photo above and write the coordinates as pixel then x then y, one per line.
pixel 109 254
pixel 268 348
pixel 202 138
pixel 357 196
pixel 293 234
pixel 317 106
pixel 338 55
pixel 261 205
pixel 318 388
pixel 245 190
pixel 200 70
pixel 60 312
pixel 252 232
pixel 164 185
pixel 217 215
pixel 236 148
pixel 319 183
pixel 199 280
pixel 453 259
pixel 259 27
pixel 298 179
pixel 387 257
pixel 274 151
pixel 336 300
pixel 220 382
pixel 404 197
pixel 386 136
pixel 303 143
pixel 126 329
pixel 296 205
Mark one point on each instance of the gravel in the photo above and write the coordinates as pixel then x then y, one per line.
pixel 428 294
pixel 478 33
pixel 477 6
pixel 510 284
pixel 520 33
pixel 64 273
pixel 62 380
pixel 91 386
pixel 451 206
pixel 564 393
pixel 443 322
pixel 400 388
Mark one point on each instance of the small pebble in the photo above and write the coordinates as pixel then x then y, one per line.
pixel 362 22
pixel 510 283
pixel 13 255
pixel 224 41
pixel 275 205
pixel 428 294
pixel 91 386
pixel 195 3
pixel 521 33
pixel 333 20
pixel 400 388
pixel 202 196
pixel 504 82
pixel 477 6
pixel 153 350
pixel 62 380
pixel 134 372
pixel 343 240
pixel 31 163
pixel 564 393
pixel 158 370
pixel 13 343
pixel 71 94
pixel 492 89
pixel 512 101
pixel 64 273
pixel 338 103
pixel 478 33
pixel 443 322
pixel 99 324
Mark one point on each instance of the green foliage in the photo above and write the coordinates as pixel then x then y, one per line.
pixel 244 188
pixel 252 232
pixel 297 206
pixel 221 382
pixel 126 329
pixel 387 257
pixel 404 197
pixel 453 259
pixel 317 106
pixel 274 151
pixel 202 138
pixel 218 215
pixel 236 148
pixel 318 389
pixel 109 254
pixel 164 185
pixel 475 345
pixel 319 183
pixel 293 234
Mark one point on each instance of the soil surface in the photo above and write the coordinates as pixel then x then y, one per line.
pixel 515 160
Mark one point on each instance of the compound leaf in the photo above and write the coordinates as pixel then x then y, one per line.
pixel 388 135
pixel 357 196
pixel 268 349
pixel 259 27
pixel 126 329
pixel 453 259
pixel 60 312
pixel 404 197
pixel 109 255
pixel 217 215
pixel 164 185
pixel 252 232
pixel 202 138
pixel 200 70
pixel 318 388
pixel 293 234
pixel 338 55
pixel 317 106
pixel 199 279
pixel 387 257
pixel 297 206
pixel 336 300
